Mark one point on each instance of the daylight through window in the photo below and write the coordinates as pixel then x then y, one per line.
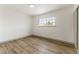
pixel 50 21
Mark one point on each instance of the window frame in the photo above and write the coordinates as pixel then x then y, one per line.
pixel 43 22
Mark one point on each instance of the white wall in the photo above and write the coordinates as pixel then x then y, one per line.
pixel 13 24
pixel 64 26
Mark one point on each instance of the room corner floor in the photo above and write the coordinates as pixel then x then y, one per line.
pixel 34 45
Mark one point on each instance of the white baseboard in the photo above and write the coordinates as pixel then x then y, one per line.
pixel 7 40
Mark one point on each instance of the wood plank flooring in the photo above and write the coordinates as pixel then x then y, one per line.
pixel 34 45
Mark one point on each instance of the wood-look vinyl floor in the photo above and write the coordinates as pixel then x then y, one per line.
pixel 33 45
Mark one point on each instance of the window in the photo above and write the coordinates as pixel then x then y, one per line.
pixel 50 21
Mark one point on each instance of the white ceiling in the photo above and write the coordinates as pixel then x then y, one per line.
pixel 39 8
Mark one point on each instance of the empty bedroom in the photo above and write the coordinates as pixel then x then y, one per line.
pixel 38 29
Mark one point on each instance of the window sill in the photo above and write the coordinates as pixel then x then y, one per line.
pixel 47 26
